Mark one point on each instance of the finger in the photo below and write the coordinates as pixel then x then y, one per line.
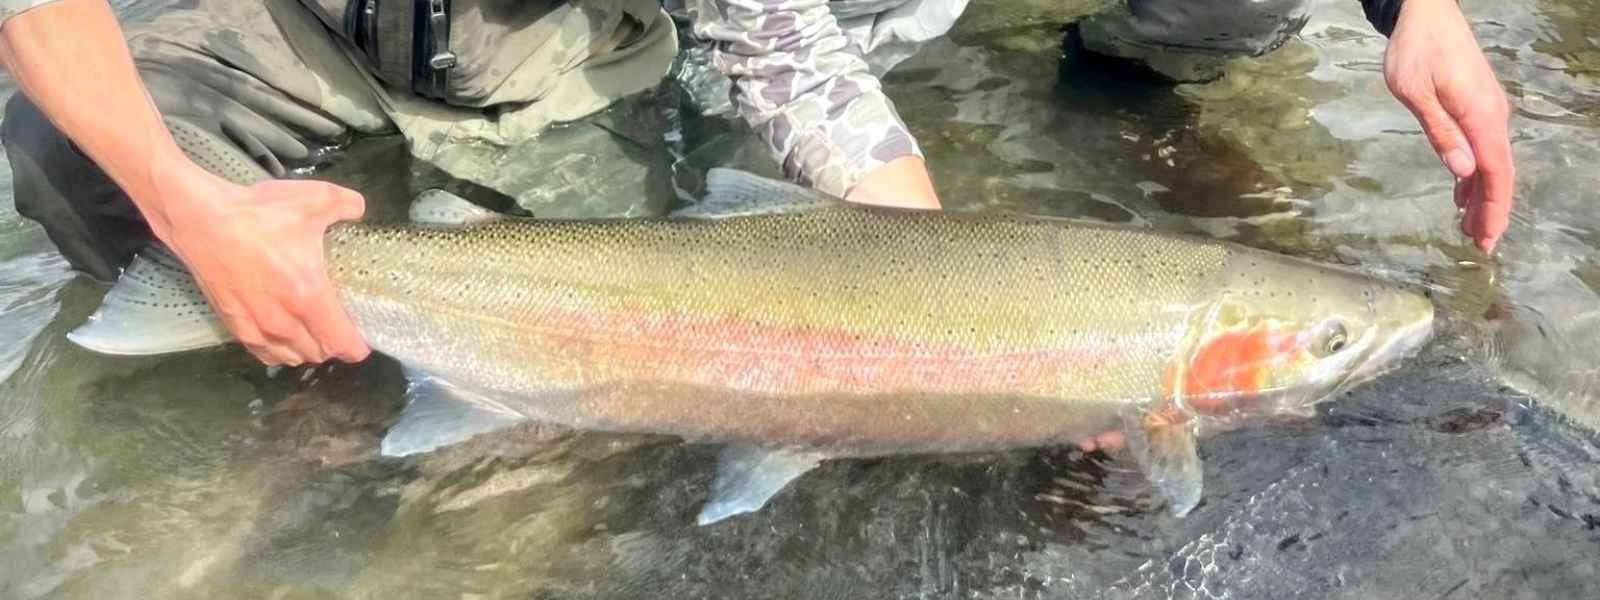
pixel 267 333
pixel 1464 192
pixel 1446 137
pixel 268 353
pixel 242 325
pixel 330 325
pixel 326 318
pixel 276 356
pixel 271 353
pixel 344 204
pixel 1111 441
pixel 1489 133
pixel 287 334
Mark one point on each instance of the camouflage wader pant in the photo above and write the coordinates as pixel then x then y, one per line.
pixel 260 89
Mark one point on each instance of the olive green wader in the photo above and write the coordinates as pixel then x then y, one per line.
pixel 1190 40
pixel 253 90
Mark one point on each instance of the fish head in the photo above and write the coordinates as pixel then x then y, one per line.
pixel 1285 335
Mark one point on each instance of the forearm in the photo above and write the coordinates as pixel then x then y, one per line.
pixel 804 89
pixel 71 59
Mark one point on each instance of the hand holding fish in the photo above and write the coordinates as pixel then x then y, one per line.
pixel 1434 67
pixel 257 253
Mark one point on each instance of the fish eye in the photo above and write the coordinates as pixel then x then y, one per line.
pixel 1335 343
pixel 1333 338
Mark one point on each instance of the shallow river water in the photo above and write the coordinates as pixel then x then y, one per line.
pixel 1473 472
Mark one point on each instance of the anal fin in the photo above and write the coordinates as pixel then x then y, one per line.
pixel 439 414
pixel 748 477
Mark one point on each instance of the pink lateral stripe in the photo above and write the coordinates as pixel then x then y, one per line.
pixel 602 345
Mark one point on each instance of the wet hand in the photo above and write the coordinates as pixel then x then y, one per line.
pixel 903 182
pixel 1435 67
pixel 257 253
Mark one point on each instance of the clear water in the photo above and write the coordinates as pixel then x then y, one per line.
pixel 1468 474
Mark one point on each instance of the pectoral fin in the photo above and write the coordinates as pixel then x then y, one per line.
pixel 1165 448
pixel 439 414
pixel 747 477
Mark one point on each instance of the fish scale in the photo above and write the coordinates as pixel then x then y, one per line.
pixel 797 328
pixel 849 288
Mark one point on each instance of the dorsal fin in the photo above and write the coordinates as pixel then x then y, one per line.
pixel 438 207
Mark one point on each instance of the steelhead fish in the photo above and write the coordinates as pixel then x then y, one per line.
pixel 797 328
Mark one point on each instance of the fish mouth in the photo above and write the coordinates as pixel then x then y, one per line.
pixel 1389 356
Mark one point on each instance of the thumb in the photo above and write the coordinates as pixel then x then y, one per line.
pixel 341 203
pixel 352 205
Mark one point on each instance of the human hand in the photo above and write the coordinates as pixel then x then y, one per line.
pixel 257 253
pixel 1434 67
pixel 903 182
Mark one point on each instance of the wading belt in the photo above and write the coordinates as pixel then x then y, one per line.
pixel 431 58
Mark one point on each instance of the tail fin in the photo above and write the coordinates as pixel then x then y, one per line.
pixel 154 308
pixel 157 308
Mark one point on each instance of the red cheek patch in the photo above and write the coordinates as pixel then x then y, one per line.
pixel 1232 363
